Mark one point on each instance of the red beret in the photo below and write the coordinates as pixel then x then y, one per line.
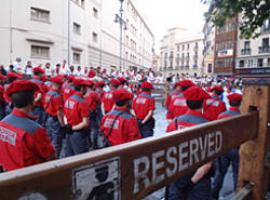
pixel 38 70
pixel 21 86
pixel 217 88
pixel 115 82
pixel 44 78
pixel 122 94
pixel 186 83
pixel 100 84
pixel 57 79
pixel 147 85
pixel 71 78
pixel 2 77
pixel 79 81
pixel 235 97
pixel 89 83
pixel 14 75
pixel 195 93
pixel 122 80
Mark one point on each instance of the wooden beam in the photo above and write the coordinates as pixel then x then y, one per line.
pixel 132 170
pixel 254 153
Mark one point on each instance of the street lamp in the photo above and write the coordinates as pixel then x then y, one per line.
pixel 123 25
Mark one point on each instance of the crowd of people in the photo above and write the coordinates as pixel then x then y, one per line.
pixel 50 115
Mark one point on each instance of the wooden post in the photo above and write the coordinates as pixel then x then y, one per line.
pixel 254 153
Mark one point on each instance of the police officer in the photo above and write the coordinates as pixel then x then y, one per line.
pixel 92 99
pixel 77 114
pixel 119 126
pixel 144 106
pixel 232 157
pixel 214 105
pixel 107 101
pixel 178 106
pixel 196 185
pixel 38 109
pixel 54 107
pixel 23 142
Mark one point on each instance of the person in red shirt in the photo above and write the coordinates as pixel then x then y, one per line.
pixel 39 95
pixel 68 90
pixel 54 108
pixel 172 95
pixel 232 157
pixel 196 185
pixel 77 114
pixel 144 106
pixel 119 126
pixel 107 101
pixel 23 142
pixel 178 106
pixel 92 100
pixel 2 100
pixel 214 105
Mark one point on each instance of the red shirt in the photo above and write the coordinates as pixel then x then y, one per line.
pixel 68 91
pixel 53 102
pixel 92 100
pixel 125 127
pixel 177 107
pixel 108 101
pixel 213 107
pixel 23 142
pixel 171 97
pixel 42 91
pixel 143 104
pixel 191 118
pixel 76 109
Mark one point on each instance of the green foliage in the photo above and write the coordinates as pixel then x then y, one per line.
pixel 254 13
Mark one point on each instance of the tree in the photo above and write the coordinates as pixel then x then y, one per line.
pixel 254 14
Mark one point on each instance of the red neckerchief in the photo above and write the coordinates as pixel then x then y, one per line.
pixel 194 113
pixel 236 109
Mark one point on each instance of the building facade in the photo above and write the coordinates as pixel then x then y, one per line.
pixel 253 55
pixel 181 53
pixel 82 32
pixel 209 47
pixel 225 48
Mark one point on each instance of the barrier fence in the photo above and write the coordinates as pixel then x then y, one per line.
pixel 134 170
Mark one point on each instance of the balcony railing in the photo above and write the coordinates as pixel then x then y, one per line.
pixel 246 51
pixel 264 49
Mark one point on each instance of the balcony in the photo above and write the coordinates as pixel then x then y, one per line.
pixel 246 51
pixel 264 49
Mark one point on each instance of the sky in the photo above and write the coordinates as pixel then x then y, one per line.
pixel 162 15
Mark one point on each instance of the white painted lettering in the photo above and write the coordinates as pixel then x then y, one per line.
pixel 211 143
pixel 141 174
pixel 219 141
pixel 171 160
pixel 203 146
pixel 183 155
pixel 193 151
pixel 156 166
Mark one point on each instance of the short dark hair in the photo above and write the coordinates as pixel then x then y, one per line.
pixel 121 102
pixel 234 103
pixel 193 105
pixel 218 92
pixel 185 88
pixel 78 88
pixel 115 86
pixel 146 90
pixel 22 99
pixel 37 73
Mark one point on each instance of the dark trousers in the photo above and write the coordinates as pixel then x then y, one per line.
pixel 147 129
pixel 40 113
pixel 2 111
pixel 77 142
pixel 54 130
pixel 221 167
pixel 94 130
pixel 181 189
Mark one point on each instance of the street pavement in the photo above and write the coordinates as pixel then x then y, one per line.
pixel 161 125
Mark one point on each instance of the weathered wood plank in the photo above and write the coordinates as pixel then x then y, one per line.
pixel 137 168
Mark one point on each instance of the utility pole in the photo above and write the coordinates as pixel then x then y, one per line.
pixel 69 17
pixel 10 33
pixel 119 19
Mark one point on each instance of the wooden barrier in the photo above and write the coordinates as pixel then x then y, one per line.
pixel 130 171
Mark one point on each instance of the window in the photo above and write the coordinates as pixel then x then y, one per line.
pixel 187 46
pixel 242 63
pixel 183 47
pixel 40 15
pixel 76 28
pixel 268 62
pixel 76 57
pixel 95 12
pixel 260 62
pixel 247 45
pixel 265 42
pixel 250 63
pixel 94 37
pixel 40 52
